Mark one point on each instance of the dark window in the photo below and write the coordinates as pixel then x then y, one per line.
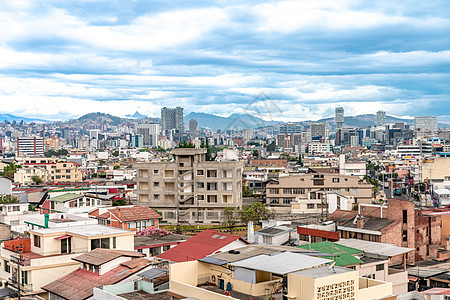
pixel 7 267
pixel 405 235
pixel 114 242
pixel 37 241
pixel 100 243
pixel 405 216
pixel 66 245
pixel 380 267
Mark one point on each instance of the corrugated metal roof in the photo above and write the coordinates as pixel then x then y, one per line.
pixel 212 260
pixel 66 197
pixel 381 249
pixel 344 254
pixel 281 263
pixel 425 272
pixel 153 273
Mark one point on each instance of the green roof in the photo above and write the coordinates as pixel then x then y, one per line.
pixel 345 253
pixel 66 197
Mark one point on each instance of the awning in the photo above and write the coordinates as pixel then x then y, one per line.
pixel 63 237
pixel 412 278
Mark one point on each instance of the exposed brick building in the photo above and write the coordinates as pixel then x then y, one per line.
pixel 400 223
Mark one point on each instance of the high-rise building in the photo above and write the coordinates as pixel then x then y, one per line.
pixel 30 146
pixel 290 128
pixel 381 118
pixel 317 129
pixel 193 127
pixel 172 118
pixel 93 133
pixel 339 117
pixel 190 188
pixel 150 134
pixel 138 141
pixel 426 123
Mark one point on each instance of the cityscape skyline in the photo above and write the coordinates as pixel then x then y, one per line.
pixel 62 60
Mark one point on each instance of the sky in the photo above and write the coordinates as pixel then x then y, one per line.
pixel 280 60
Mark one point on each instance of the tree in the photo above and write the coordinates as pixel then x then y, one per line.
pixel 254 212
pixel 246 192
pixel 115 153
pixel 186 145
pixel 10 169
pixel 229 218
pixel 36 179
pixel 119 202
pixel 271 147
pixel 255 153
pixel 116 167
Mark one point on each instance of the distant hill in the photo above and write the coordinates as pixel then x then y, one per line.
pixel 136 115
pixel 234 121
pixel 99 117
pixel 11 118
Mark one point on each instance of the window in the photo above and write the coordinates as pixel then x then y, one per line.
pixel 211 186
pixel 57 171
pixel 347 190
pixel 274 201
pixel 155 171
pixel 100 243
pixel 310 206
pixel 211 173
pixel 58 176
pixel 68 177
pixel 287 200
pixel 274 191
pixel 200 173
pixel 335 180
pixel 211 199
pixel 201 197
pixel 37 241
pixel 24 277
pixel 405 216
pixel 380 267
pixel 7 267
pixel 318 182
pixel 299 191
pixel 68 171
pixel 200 185
pixel 354 191
pixel 405 236
pixel 155 251
pixel 156 196
pixel 287 191
pixel 165 248
pixel 114 242
pixel 156 183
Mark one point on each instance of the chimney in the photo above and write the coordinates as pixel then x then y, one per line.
pixel 359 221
pixel 250 232
pixel 118 212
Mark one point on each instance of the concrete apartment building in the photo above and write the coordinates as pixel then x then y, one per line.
pixel 190 188
pixel 48 172
pixel 307 193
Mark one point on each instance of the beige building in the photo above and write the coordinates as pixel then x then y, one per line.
pixel 48 171
pixel 294 275
pixel 307 193
pixel 47 255
pixel 200 189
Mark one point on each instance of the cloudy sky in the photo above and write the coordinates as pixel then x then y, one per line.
pixel 61 59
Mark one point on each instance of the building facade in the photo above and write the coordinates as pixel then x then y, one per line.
pixel 172 118
pixel 190 188
pixel 27 146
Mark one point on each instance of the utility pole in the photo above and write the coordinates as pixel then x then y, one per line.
pixel 18 260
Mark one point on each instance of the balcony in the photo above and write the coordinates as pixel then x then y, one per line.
pixel 367 288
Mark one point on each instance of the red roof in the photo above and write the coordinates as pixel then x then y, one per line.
pixel 199 246
pixel 128 214
pixel 79 284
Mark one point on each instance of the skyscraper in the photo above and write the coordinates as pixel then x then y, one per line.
pixel 172 118
pixel 339 117
pixel 150 134
pixel 426 123
pixel 381 118
pixel 317 129
pixel 193 127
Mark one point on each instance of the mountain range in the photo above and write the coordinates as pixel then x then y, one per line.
pixel 214 122
pixel 234 121
pixel 12 118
